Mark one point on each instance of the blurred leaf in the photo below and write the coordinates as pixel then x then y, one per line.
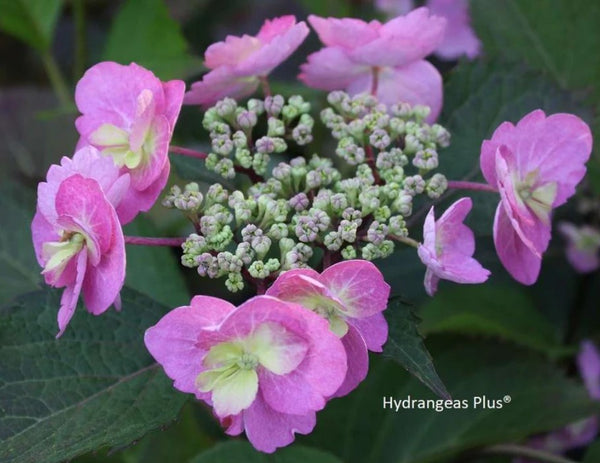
pixel 336 8
pixel 559 37
pixel 234 452
pixel 96 386
pixel 193 170
pixel 19 270
pixel 478 97
pixel 505 312
pixel 144 32
pixel 154 270
pixel 593 453
pixel 405 346
pixel 358 429
pixel 32 21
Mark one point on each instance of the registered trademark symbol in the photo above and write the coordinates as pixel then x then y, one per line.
pixel 507 399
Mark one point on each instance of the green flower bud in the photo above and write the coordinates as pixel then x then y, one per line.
pixel 234 282
pixel 349 253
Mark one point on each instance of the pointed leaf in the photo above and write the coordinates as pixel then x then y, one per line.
pixel 32 21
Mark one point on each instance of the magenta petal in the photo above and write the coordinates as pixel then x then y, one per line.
pixel 331 69
pixel 150 169
pixel 588 362
pixel 459 38
pixel 290 393
pixel 373 329
pixel 70 295
pixel 218 84
pixel 268 429
pixel 174 91
pixel 359 285
pixel 275 27
pixel 516 257
pixel 358 361
pixel 347 33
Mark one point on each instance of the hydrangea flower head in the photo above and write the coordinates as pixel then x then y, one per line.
pixel 535 166
pixel 265 367
pixel 583 246
pixel 355 51
pixel 237 63
pixel 129 115
pixel 448 247
pixel 79 243
pixel 351 295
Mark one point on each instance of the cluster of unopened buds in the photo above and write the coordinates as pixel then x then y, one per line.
pixel 268 365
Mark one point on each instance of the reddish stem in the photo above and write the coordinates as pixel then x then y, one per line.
pixel 372 164
pixel 187 152
pixel 375 80
pixel 475 186
pixel 149 241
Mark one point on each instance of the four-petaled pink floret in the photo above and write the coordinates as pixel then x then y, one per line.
pixel 535 166
pixel 79 243
pixel 238 63
pixel 351 295
pixel 448 247
pixel 265 367
pixel 129 115
pixel 356 51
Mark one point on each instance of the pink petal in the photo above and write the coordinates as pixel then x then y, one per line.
pixel 68 300
pixel 373 329
pixel 359 285
pixel 358 361
pixel 268 429
pixel 431 282
pixel 42 232
pixel 347 33
pixel 331 69
pixel 588 362
pixel 452 234
pixel 173 91
pixel 416 83
pixel 516 257
pixel 272 28
pixel 174 340
pixel 150 170
pixel 459 38
pixel 230 52
pixel 290 393
pixel 218 84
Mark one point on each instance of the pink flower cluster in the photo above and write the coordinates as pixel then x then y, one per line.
pixel 267 366
pixel 118 170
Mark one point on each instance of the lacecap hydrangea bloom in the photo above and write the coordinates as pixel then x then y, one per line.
pixel 583 246
pixel 448 247
pixel 129 115
pixel 351 295
pixel 385 59
pixel 238 63
pixel 78 241
pixel 535 166
pixel 265 367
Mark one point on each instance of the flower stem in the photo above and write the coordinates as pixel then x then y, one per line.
pixel 405 240
pixel 187 152
pixel 527 452
pixel 475 186
pixel 57 80
pixel 266 88
pixel 375 80
pixel 148 241
pixel 80 45
pixel 372 164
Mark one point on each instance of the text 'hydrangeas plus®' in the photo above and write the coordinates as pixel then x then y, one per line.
pixel 351 295
pixel 386 59
pixel 238 63
pixel 535 166
pixel 79 243
pixel 265 367
pixel 129 115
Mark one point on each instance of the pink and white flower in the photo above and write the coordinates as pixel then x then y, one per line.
pixel 238 63
pixel 351 295
pixel 535 166
pixel 448 247
pixel 129 115
pixel 583 246
pixel 356 52
pixel 265 367
pixel 79 243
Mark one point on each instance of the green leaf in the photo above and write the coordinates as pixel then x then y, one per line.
pixel 480 96
pixel 559 37
pixel 504 312
pixel 244 452
pixel 593 453
pixel 19 270
pixel 96 386
pixel 31 21
pixel 405 346
pixel 358 429
pixel 154 270
pixel 144 32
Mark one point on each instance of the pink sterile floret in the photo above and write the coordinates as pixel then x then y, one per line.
pixel 78 240
pixel 355 51
pixel 129 115
pixel 535 166
pixel 238 63
pixel 448 247
pixel 351 295
pixel 265 367
pixel 583 246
